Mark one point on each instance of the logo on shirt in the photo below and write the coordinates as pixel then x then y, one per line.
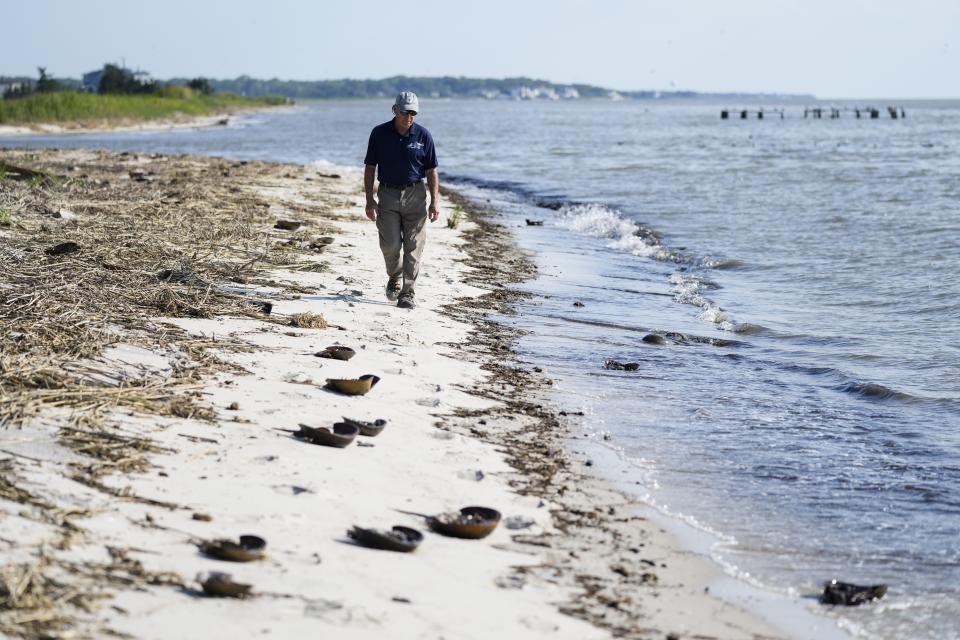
pixel 415 145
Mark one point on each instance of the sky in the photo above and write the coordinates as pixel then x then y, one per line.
pixel 830 48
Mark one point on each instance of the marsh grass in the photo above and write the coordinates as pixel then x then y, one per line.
pixel 73 106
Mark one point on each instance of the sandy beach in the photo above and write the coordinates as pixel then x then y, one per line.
pixel 152 377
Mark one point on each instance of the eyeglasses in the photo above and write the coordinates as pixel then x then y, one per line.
pixel 408 113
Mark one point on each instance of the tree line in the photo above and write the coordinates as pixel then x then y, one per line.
pixel 118 80
pixel 444 87
pixel 113 80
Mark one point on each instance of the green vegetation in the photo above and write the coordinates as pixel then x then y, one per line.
pixel 453 220
pixel 201 85
pixel 73 106
pixel 116 79
pixel 46 84
pixel 7 219
pixel 120 95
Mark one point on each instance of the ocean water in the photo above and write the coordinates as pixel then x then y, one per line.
pixel 802 401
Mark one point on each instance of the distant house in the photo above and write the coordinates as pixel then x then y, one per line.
pixel 9 85
pixel 522 93
pixel 91 81
pixel 537 93
pixel 489 94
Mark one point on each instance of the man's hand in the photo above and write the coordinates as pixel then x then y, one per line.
pixel 433 186
pixel 372 207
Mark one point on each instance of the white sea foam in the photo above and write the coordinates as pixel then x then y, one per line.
pixel 322 163
pixel 599 221
pixel 686 290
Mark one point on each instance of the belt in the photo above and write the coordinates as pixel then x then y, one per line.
pixel 400 186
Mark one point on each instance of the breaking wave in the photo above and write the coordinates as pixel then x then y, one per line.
pixel 688 289
pixel 600 221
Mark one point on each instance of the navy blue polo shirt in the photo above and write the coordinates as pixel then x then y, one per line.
pixel 400 159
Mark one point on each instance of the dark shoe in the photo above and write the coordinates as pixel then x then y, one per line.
pixel 407 302
pixel 393 289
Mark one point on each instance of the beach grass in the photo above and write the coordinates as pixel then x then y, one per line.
pixel 453 219
pixel 73 106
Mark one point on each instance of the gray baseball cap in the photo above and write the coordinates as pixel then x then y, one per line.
pixel 407 101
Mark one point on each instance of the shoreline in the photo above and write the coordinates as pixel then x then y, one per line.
pixel 664 535
pixel 792 615
pixel 122 125
pixel 474 425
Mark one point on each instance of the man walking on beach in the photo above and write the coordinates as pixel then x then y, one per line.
pixel 402 153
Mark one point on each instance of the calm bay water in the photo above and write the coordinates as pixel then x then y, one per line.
pixel 805 406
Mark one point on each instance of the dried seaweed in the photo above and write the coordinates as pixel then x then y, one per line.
pixel 34 605
pixel 96 256
pixel 9 489
pixel 308 320
pixel 145 249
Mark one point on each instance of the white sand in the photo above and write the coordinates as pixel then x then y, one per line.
pixel 253 479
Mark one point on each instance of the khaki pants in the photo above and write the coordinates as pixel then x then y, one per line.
pixel 401 222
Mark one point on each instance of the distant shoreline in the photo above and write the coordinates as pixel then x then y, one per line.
pixel 72 111
pixel 119 125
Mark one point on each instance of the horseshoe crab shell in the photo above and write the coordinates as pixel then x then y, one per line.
pixel 470 522
pixel 222 585
pixel 369 429
pixel 249 548
pixel 851 595
pixel 337 352
pixel 350 387
pixel 340 436
pixel 402 539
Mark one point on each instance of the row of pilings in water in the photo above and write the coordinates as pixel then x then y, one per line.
pixel 818 113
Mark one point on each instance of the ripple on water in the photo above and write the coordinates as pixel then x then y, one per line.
pixel 874 390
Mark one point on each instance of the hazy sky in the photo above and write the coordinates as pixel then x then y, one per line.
pixel 833 48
